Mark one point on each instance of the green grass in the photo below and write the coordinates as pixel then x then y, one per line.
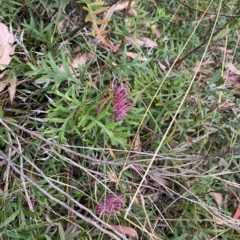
pixel 61 150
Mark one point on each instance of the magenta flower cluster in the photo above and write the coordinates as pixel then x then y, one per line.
pixel 111 204
pixel 122 103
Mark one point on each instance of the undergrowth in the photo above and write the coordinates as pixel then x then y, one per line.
pixel 174 157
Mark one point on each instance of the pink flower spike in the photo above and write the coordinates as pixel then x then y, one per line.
pixel 111 204
pixel 122 104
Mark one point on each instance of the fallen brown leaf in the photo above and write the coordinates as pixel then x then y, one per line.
pixel 159 179
pixel 6 48
pixel 162 67
pixel 217 197
pixel 224 50
pixel 156 31
pixel 232 68
pixel 123 5
pixel 3 84
pixel 80 60
pixel 125 230
pixel 119 7
pixel 177 19
pixel 133 55
pixel 137 143
pixel 12 86
pixel 233 78
pixel 200 69
pixel 226 106
pixel 140 41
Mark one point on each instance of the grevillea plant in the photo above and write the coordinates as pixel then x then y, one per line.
pixel 121 102
pixel 110 204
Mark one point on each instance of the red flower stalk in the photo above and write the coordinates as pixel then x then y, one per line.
pixel 111 204
pixel 237 213
pixel 122 104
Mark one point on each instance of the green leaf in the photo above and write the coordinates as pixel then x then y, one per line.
pixel 47 237
pixel 9 219
pixel 1 112
pixel 223 33
pixel 31 214
pixel 61 232
pixel 215 76
pixel 10 234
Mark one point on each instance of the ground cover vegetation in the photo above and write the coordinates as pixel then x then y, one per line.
pixel 119 119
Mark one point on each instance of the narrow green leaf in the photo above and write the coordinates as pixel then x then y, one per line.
pixel 9 219
pixel 1 112
pixel 61 232
pixel 47 237
pixel 223 33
